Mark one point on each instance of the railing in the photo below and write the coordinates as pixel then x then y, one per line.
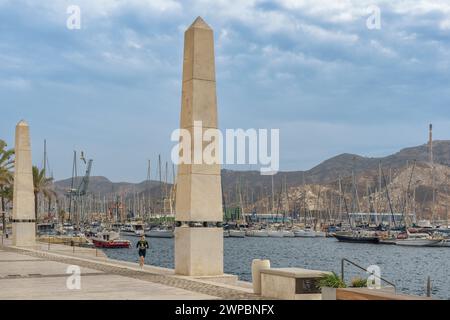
pixel 68 242
pixel 343 261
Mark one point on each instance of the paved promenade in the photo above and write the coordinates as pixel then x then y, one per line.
pixel 40 273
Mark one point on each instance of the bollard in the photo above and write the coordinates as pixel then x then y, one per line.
pixel 428 286
pixel 257 266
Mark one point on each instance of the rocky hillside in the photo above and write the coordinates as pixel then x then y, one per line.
pixel 318 188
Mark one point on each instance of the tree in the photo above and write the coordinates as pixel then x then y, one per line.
pixel 43 185
pixel 6 178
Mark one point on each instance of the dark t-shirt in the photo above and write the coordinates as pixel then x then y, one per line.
pixel 142 245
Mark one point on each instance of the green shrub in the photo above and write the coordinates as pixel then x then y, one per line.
pixel 331 280
pixel 359 283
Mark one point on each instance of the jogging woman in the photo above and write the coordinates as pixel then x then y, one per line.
pixel 142 245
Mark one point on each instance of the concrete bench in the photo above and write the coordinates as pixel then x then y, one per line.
pixel 291 283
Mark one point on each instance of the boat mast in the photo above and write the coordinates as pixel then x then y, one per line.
pixel 433 182
pixel 340 200
pixel 389 199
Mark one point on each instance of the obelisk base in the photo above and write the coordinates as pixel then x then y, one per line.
pixel 24 234
pixel 198 251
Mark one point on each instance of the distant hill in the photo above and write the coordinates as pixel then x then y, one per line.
pixel 103 186
pixel 255 186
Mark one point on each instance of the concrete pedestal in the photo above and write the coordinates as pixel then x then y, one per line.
pixel 199 251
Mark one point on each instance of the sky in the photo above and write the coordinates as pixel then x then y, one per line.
pixel 310 68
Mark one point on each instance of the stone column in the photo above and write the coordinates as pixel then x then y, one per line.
pixel 23 224
pixel 199 235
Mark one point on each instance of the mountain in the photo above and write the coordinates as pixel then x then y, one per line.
pixel 322 178
pixel 103 186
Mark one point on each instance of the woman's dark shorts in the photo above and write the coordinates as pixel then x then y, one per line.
pixel 142 253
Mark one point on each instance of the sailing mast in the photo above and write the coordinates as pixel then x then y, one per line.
pixel 433 178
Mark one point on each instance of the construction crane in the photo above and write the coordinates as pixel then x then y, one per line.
pixel 82 188
pixel 77 193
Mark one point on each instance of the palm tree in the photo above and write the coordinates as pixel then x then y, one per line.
pixel 6 178
pixel 43 185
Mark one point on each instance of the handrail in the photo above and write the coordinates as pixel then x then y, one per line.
pixel 362 268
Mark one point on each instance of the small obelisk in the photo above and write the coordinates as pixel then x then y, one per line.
pixel 23 223
pixel 199 234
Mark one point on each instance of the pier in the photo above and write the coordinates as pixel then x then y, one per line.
pixel 41 274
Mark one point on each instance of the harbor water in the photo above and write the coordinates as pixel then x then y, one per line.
pixel 407 267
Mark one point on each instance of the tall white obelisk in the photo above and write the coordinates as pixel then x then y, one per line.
pixel 23 223
pixel 199 235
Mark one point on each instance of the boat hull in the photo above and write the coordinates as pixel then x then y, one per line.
pixel 288 234
pixel 387 241
pixel 417 242
pixel 276 234
pixel 304 234
pixel 359 239
pixel 257 233
pixel 159 234
pixel 237 233
pixel 114 244
pixel 443 243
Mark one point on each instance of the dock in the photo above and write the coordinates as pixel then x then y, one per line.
pixel 41 274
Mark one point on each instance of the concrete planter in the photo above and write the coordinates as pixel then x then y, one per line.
pixel 328 293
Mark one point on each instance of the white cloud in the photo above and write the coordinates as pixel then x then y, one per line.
pixel 387 52
pixel 15 83
pixel 445 24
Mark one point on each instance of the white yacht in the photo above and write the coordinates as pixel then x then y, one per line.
pixel 236 233
pixel 276 233
pixel 417 240
pixel 305 233
pixel 257 233
pixel 159 233
pixel 288 234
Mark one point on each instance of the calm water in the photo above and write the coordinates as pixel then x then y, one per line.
pixel 407 267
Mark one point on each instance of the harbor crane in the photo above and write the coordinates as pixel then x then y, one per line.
pixel 76 194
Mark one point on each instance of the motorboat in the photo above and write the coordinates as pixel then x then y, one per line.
pixel 133 229
pixel 159 233
pixel 442 243
pixel 416 240
pixel 110 240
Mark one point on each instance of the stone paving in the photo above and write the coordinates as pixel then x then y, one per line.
pixel 163 286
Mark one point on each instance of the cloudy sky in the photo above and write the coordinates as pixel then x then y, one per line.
pixel 311 68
